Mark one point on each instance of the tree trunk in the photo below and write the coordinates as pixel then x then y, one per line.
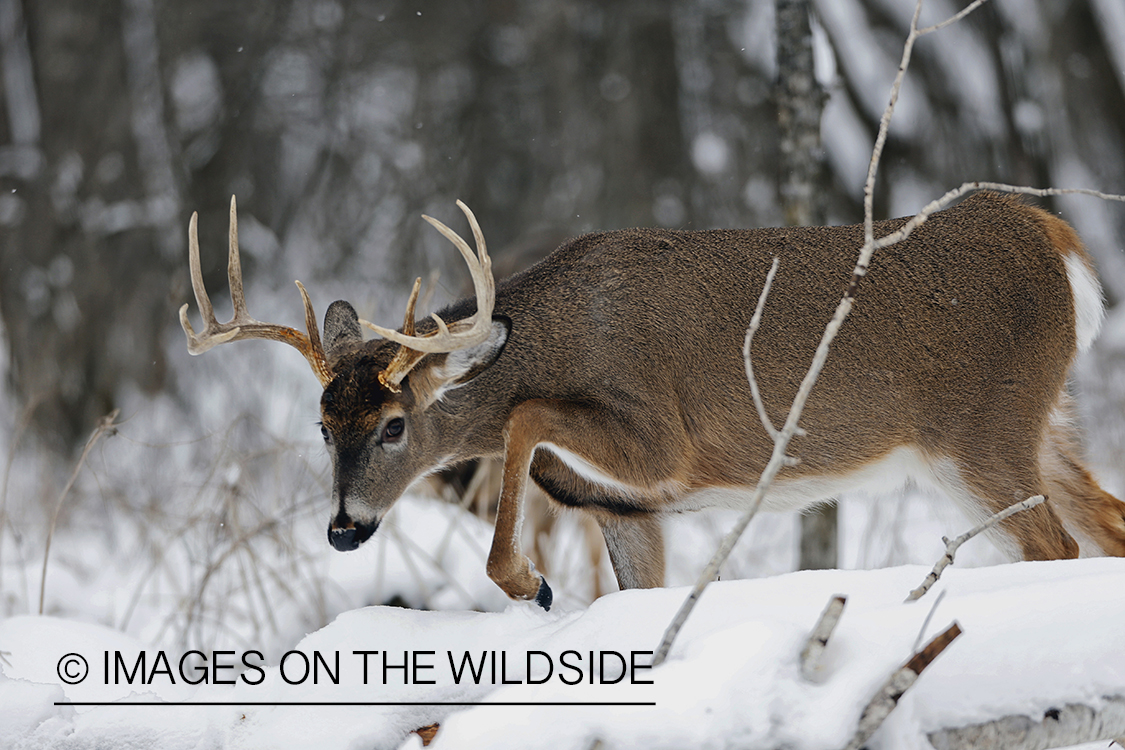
pixel 801 184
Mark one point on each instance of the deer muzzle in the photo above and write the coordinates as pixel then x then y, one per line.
pixel 345 536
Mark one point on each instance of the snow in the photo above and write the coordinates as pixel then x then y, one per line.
pixel 710 153
pixel 1035 635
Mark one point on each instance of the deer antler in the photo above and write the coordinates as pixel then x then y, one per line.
pixel 242 326
pixel 462 334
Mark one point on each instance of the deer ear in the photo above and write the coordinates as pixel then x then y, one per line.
pixel 341 329
pixel 430 382
pixel 463 365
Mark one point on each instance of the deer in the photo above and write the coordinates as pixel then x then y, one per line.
pixel 611 375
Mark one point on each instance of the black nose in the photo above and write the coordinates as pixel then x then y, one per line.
pixel 342 539
pixel 345 539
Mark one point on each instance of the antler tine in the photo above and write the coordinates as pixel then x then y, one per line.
pixel 234 269
pixel 463 333
pixel 211 336
pixel 242 325
pixel 408 319
pixel 311 348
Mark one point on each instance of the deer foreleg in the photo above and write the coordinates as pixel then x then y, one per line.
pixel 508 566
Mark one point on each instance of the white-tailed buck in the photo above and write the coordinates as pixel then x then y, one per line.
pixel 612 374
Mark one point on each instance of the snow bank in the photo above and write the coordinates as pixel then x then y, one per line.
pixel 1035 635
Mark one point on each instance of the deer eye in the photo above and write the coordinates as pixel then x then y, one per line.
pixel 324 434
pixel 392 431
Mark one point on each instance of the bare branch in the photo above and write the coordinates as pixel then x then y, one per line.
pixel 884 128
pixel 778 459
pixel 1072 724
pixel 897 684
pixel 818 639
pixel 885 120
pixel 755 321
pixel 951 546
pixel 969 187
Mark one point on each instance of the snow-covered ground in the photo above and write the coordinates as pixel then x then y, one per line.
pixel 1036 636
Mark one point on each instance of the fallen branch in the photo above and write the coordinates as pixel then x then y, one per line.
pixel 427 733
pixel 1073 724
pixel 818 640
pixel 897 684
pixel 952 545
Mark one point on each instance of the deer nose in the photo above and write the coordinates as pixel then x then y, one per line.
pixel 347 538
pixel 342 539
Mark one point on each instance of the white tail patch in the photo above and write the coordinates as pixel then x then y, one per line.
pixel 1089 305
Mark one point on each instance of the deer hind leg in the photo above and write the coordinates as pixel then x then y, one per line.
pixel 634 537
pixel 636 549
pixel 1094 515
pixel 988 483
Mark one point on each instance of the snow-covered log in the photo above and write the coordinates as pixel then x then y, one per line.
pixel 1071 724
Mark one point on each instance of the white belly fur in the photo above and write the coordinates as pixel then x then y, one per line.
pixel 878 477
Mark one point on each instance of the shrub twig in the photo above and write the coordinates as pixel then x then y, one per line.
pixel 105 425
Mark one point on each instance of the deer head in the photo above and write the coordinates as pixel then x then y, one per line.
pixel 380 417
pixel 377 419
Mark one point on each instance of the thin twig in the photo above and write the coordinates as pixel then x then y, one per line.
pixel 885 119
pixel 952 19
pixel 929 616
pixel 897 684
pixel 884 128
pixel 105 424
pixel 976 185
pixel 778 459
pixel 755 321
pixel 952 545
pixel 818 640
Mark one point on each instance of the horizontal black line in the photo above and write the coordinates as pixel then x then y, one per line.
pixel 356 703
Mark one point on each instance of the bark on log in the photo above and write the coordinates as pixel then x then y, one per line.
pixel 1072 724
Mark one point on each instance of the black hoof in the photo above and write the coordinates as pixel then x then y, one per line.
pixel 544 597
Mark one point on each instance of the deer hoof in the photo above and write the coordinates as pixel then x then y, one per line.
pixel 544 597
